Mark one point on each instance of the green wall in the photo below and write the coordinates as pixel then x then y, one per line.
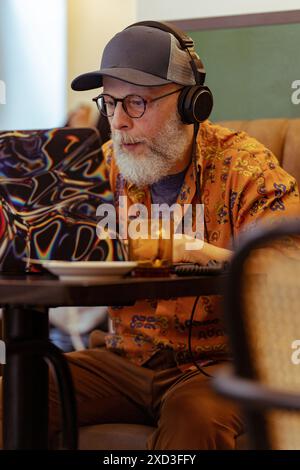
pixel 250 70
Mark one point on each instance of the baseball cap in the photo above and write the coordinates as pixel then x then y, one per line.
pixel 143 56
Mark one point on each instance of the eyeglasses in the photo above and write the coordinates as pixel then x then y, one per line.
pixel 133 105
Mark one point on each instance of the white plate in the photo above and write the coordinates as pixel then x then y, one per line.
pixel 88 270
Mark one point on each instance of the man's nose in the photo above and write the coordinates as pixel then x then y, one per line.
pixel 120 119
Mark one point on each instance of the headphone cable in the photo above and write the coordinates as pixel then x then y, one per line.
pixel 194 158
pixel 200 369
pixel 197 170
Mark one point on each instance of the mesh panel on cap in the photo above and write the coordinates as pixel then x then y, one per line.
pixel 179 70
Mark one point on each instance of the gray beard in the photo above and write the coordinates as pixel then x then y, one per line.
pixel 160 155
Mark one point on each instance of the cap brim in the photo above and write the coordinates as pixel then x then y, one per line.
pixel 91 80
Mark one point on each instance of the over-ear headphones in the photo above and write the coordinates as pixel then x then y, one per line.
pixel 195 102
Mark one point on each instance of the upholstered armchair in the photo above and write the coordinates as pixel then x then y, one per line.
pixel 281 136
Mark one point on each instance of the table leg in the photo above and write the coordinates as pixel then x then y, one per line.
pixel 25 381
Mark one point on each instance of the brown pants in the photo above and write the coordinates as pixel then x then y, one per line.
pixel 187 413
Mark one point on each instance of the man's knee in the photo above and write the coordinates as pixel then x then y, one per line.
pixel 196 421
pixel 188 411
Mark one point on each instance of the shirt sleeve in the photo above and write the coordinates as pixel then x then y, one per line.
pixel 260 191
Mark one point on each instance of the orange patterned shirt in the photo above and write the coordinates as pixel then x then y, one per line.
pixel 241 185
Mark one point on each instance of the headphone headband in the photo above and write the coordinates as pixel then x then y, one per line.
pixel 185 41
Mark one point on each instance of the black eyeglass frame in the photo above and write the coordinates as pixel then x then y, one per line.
pixel 122 100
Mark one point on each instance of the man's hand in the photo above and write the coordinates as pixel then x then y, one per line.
pixel 190 250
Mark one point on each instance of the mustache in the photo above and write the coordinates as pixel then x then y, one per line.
pixel 123 138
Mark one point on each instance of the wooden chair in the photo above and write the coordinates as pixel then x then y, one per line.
pixel 262 312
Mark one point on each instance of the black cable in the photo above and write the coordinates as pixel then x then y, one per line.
pixel 190 340
pixel 197 170
pixel 194 158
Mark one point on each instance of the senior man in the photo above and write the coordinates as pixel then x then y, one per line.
pixel 155 99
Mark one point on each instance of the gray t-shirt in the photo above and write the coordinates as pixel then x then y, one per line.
pixel 167 189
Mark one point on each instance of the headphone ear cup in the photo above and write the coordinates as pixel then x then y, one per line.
pixel 195 104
